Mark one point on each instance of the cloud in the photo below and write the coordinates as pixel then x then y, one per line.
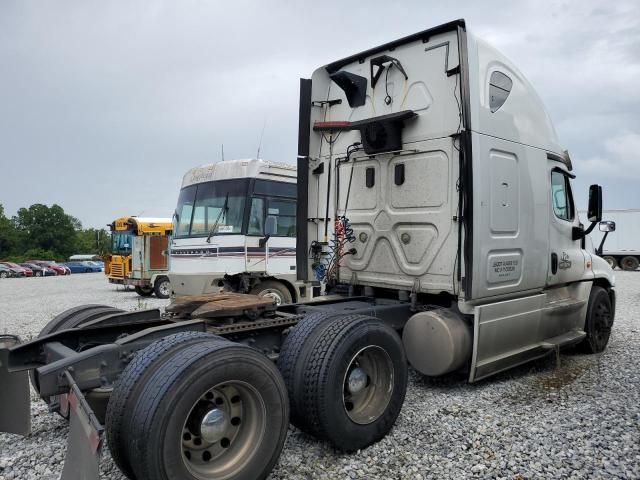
pixel 619 158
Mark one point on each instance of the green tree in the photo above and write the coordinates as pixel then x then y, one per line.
pixel 9 236
pixel 36 254
pixel 47 228
pixel 93 240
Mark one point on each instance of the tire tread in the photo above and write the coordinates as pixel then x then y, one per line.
pixel 124 391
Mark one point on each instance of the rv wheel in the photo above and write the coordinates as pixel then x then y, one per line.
pixel 598 322
pixel 223 405
pixel 350 381
pixel 126 391
pixel 162 287
pixel 273 289
pixel 144 291
pixel 613 263
pixel 629 263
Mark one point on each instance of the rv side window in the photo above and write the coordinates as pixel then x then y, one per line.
pixel 285 212
pixel 561 197
pixel 499 89
pixel 277 199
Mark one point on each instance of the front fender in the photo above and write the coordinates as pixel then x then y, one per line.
pixel 602 270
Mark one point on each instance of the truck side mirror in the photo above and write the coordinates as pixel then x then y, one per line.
pixel 270 228
pixel 607 226
pixel 594 212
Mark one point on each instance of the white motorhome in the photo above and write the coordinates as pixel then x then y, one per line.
pixel 219 236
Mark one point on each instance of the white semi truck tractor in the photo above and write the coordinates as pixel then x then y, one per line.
pixel 436 229
pixel 219 240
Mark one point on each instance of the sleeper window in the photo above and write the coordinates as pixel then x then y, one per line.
pixel 499 89
pixel 561 197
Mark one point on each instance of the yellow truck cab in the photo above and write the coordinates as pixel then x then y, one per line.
pixel 139 255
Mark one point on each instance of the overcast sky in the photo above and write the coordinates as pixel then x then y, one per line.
pixel 105 105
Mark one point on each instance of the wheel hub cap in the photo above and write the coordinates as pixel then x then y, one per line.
pixel 164 288
pixel 222 430
pixel 368 385
pixel 357 380
pixel 214 425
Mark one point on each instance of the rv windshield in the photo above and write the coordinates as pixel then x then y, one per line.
pixel 121 243
pixel 218 204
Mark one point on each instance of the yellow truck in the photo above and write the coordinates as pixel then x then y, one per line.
pixel 139 255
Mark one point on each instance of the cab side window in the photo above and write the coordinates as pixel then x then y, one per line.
pixel 561 197
pixel 256 217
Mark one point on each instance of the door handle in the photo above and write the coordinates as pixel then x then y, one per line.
pixel 554 263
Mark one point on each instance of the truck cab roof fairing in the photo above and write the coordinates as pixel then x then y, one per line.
pixel 522 118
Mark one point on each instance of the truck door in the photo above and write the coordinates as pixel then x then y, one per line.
pixel 566 258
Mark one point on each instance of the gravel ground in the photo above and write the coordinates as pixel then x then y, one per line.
pixel 580 419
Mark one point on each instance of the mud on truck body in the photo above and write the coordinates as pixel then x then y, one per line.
pixel 435 216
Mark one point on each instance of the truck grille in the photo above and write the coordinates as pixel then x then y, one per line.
pixel 117 270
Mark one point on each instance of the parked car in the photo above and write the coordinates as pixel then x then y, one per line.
pixel 56 267
pixel 26 272
pixel 83 267
pixel 6 272
pixel 100 263
pixel 39 270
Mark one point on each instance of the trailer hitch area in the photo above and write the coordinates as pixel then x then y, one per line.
pixel 15 400
pixel 84 444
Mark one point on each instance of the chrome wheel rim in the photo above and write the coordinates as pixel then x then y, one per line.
pixel 272 293
pixel 165 288
pixel 222 430
pixel 368 385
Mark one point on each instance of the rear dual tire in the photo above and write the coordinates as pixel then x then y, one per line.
pixel 126 391
pixel 207 409
pixel 346 376
pixel 613 263
pixel 629 263
pixel 74 318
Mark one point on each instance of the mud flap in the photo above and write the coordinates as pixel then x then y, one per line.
pixel 84 444
pixel 15 400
